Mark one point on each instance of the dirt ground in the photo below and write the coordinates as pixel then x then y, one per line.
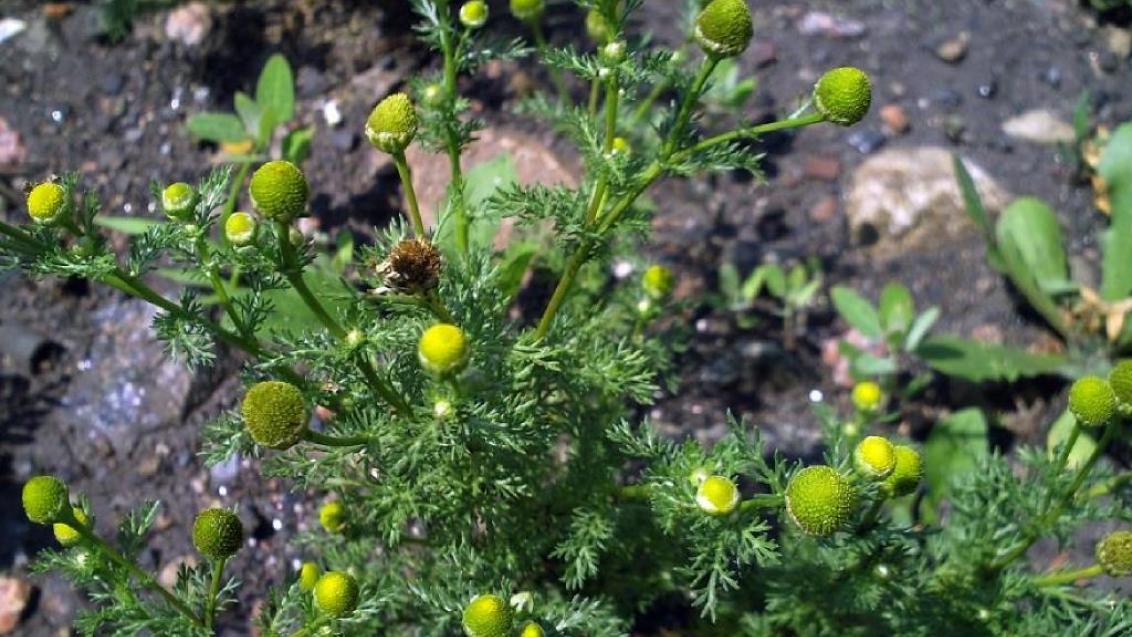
pixel 85 394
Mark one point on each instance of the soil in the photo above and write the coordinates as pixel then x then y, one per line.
pixel 116 114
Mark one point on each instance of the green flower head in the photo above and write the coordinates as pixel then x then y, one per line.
pixel 907 473
pixel 336 594
pixel 724 28
pixel 473 14
pixel 874 458
pixel 332 516
pixel 217 533
pixel 527 10
pixel 1092 401
pixel 1114 553
pixel 867 396
pixel 658 282
pixel 46 500
pixel 392 125
pixel 279 191
pixel 843 95
pixel 597 27
pixel 67 535
pixel 179 200
pixel 820 500
pixel 717 495
pixel 308 576
pixel 274 414
pixel 47 202
pixel 443 349
pixel 488 616
pixel 240 229
pixel 532 629
pixel 1120 378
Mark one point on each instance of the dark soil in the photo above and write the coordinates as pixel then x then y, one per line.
pixel 116 114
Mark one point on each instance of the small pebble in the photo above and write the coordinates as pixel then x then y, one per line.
pixel 1052 76
pixel 987 89
pixel 866 141
pixel 895 119
pixel 954 50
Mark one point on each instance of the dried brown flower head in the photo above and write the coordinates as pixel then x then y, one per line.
pixel 413 266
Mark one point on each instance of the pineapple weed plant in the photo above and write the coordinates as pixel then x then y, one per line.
pixel 486 476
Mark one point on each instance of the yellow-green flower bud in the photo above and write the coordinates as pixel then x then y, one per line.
pixel 621 146
pixel 336 594
pixel 443 349
pixel 867 396
pixel 68 535
pixel 217 533
pixel 1092 401
pixel 717 495
pixel 274 414
pixel 820 500
pixel 874 458
pixel 392 125
pixel 279 191
pixel 488 616
pixel 597 27
pixel 308 576
pixel 47 202
pixel 433 95
pixel 527 10
pixel 474 14
pixel 240 229
pixel 843 95
pixel 46 500
pixel 1120 379
pixel 613 52
pixel 332 517
pixel 532 629
pixel 658 282
pixel 179 200
pixel 907 473
pixel 1114 553
pixel 724 28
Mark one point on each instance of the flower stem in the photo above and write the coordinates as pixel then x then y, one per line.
pixel 543 50
pixel 1066 577
pixel 451 136
pixel 684 114
pixel 233 197
pixel 327 440
pixel 218 284
pixel 762 501
pixel 213 592
pixel 406 175
pixel 752 131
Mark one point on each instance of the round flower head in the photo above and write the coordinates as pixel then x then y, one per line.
pixel 474 14
pixel 487 616
pixel 47 202
pixel 308 576
pixel 597 27
pixel 613 52
pixel 907 473
pixel 332 516
pixel 717 495
pixel 527 9
pixel 532 629
pixel 392 125
pixel 217 533
pixel 867 396
pixel 874 458
pixel 46 500
pixel 1092 401
pixel 1114 553
pixel 658 282
pixel 413 266
pixel 179 200
pixel 336 594
pixel 274 414
pixel 843 95
pixel 279 191
pixel 240 229
pixel 433 95
pixel 1120 379
pixel 820 500
pixel 443 349
pixel 68 535
pixel 724 28
pixel 621 146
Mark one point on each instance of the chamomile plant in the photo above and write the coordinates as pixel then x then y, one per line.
pixel 484 471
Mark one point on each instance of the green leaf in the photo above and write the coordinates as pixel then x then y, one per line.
pixel 250 113
pixel 1059 433
pixel 897 308
pixel 973 204
pixel 729 283
pixel 775 279
pixel 1116 168
pixel 953 450
pixel 297 145
pixel 275 90
pixel 857 311
pixel 869 366
pixel 980 362
pixel 920 328
pixel 753 286
pixel 1033 254
pixel 127 225
pixel 217 127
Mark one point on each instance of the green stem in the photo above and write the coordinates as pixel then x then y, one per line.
pixel 433 302
pixel 752 131
pixel 1067 577
pixel 307 631
pixel 543 49
pixel 213 592
pixel 233 198
pixel 612 107
pixel 335 441
pixel 144 578
pixel 1110 485
pixel 684 114
pixel 595 96
pixel 452 140
pixel 871 516
pixel 762 501
pixel 218 284
pixel 406 175
pixel 633 492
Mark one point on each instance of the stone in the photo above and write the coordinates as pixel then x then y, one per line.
pixel 906 199
pixel 830 26
pixel 823 168
pixel 14 596
pixel 866 141
pixel 12 149
pixel 1040 126
pixel 954 50
pixel 1118 41
pixel 824 210
pixel 189 25
pixel 895 119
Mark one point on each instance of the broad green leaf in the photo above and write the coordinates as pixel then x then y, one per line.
pixel 753 286
pixel 775 279
pixel 973 204
pixel 1033 254
pixel 275 90
pixel 920 328
pixel 953 450
pixel 127 225
pixel 1116 168
pixel 480 183
pixel 897 309
pixel 1059 434
pixel 217 127
pixel 980 362
pixel 857 311
pixel 249 112
pixel 297 145
pixel 869 366
pixel 343 252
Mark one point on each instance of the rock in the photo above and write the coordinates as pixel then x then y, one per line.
pixel 954 50
pixel 895 119
pixel 12 149
pixel 189 25
pixel 10 28
pixel 866 141
pixel 125 384
pixel 1118 41
pixel 14 596
pixel 987 89
pixel 904 199
pixel 824 210
pixel 1040 126
pixel 823 168
pixel 168 575
pixel 830 26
